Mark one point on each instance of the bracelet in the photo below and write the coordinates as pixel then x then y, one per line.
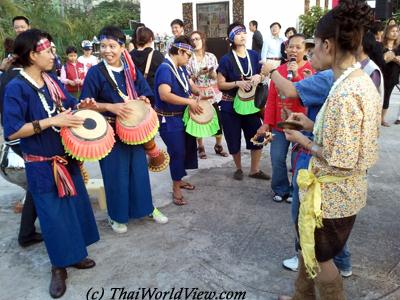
pixel 36 127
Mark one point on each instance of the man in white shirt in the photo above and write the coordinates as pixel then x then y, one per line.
pixel 271 50
pixel 87 59
pixel 177 29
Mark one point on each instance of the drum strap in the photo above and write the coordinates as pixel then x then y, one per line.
pixel 168 113
pixel 103 70
pixel 148 63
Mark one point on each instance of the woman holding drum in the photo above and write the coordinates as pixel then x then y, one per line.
pixel 172 96
pixel 202 68
pixel 114 83
pixel 36 105
pixel 238 75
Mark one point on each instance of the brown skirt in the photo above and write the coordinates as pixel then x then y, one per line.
pixel 331 238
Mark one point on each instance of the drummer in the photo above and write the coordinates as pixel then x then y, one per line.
pixel 34 110
pixel 172 95
pixel 239 69
pixel 125 172
pixel 202 69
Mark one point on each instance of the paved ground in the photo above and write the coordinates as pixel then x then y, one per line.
pixel 231 237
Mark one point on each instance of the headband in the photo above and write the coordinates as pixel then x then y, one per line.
pixel 236 30
pixel 183 46
pixel 102 37
pixel 43 44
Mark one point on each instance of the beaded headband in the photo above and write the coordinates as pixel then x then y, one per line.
pixel 43 44
pixel 183 46
pixel 105 37
pixel 236 30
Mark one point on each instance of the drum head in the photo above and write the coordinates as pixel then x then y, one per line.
pixel 93 128
pixel 206 116
pixel 140 112
pixel 246 95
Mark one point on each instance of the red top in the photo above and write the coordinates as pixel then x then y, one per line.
pixel 74 72
pixel 273 109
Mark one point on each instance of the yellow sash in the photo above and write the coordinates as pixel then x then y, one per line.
pixel 310 215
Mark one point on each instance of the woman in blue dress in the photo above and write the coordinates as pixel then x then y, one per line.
pixel 240 69
pixel 172 95
pixel 35 107
pixel 125 172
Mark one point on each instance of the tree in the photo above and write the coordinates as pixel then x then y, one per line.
pixel 309 20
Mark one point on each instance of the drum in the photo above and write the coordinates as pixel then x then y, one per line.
pixel 243 103
pixel 158 159
pixel 91 141
pixel 204 124
pixel 140 127
pixel 12 166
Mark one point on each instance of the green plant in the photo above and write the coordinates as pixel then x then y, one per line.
pixel 309 20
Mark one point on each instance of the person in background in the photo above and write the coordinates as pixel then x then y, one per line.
pixel 57 61
pixel 271 50
pixel 257 42
pixel 141 56
pixel 87 59
pixel 177 30
pixel 377 29
pixel 391 70
pixel 288 33
pixel 202 68
pixel 391 21
pixel 72 73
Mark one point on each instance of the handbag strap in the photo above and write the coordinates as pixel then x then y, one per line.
pixel 148 63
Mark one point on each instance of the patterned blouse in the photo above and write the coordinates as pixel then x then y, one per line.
pixel 193 67
pixel 350 145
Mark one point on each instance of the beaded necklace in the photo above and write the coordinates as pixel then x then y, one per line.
pixel 184 83
pixel 249 72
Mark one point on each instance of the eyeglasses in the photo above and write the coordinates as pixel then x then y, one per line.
pixel 195 39
pixel 188 53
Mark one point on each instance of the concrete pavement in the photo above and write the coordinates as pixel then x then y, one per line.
pixel 231 237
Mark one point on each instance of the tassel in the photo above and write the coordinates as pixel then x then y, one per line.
pixel 65 185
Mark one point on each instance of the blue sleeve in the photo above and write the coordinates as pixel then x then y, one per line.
pixel 141 85
pixel 224 66
pixel 15 108
pixel 315 89
pixel 91 84
pixel 164 76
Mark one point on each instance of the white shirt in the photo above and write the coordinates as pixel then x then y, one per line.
pixel 88 62
pixel 271 48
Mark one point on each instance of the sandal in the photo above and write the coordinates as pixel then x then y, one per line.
pixel 202 152
pixel 178 200
pixel 219 150
pixel 385 124
pixel 187 186
pixel 260 175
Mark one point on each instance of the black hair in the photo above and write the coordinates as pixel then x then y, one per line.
pixel 345 24
pixel 368 43
pixel 71 49
pixel 20 18
pixel 177 22
pixel 143 36
pixel 25 43
pixel 297 35
pixel 377 26
pixel 230 27
pixel 254 23
pixel 181 39
pixel 275 23
pixel 290 29
pixel 113 32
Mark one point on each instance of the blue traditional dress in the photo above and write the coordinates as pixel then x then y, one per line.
pixel 68 224
pixel 181 147
pixel 232 122
pixel 125 172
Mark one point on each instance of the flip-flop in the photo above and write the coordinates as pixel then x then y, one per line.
pixel 187 186
pixel 178 200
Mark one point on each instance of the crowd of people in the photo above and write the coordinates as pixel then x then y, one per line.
pixel 328 96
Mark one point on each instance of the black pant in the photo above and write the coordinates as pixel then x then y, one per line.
pixel 28 216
